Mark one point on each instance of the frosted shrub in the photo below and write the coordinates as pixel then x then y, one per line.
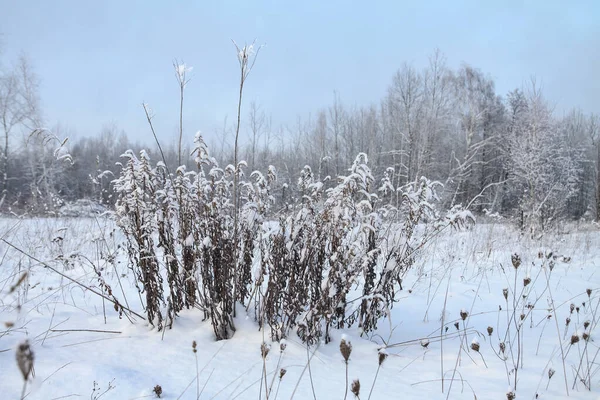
pixel 335 258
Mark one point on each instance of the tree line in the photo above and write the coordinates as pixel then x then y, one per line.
pixel 507 154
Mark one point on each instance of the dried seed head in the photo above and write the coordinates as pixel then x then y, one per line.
pixel 589 292
pixel 551 265
pixel 505 293
pixel 490 330
pixel 511 395
pixel 194 345
pixel 540 254
pixel 157 390
pixel 577 309
pixel 345 349
pixel 456 325
pixel 502 347
pixel 24 359
pixel 585 336
pixel 424 343
pixel 574 339
pixel 526 281
pixel 446 329
pixel 475 346
pixel 516 260
pixel 583 304
pixel 264 350
pixel 355 387
pixel 568 321
pixel 282 345
pixel 463 314
pixel 551 373
pixel 282 372
pixel 572 308
pixel 586 324
pixel 522 316
pixel 382 356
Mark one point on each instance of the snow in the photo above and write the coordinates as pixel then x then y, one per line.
pixel 461 271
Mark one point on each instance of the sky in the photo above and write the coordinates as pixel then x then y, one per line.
pixel 99 61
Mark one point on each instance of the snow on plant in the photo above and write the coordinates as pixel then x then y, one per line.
pixel 334 243
pixel 136 211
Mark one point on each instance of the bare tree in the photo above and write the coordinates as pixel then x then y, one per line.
pixel 542 173
pixel 437 87
pixel 406 95
pixel 19 104
pixel 258 122
pixel 335 116
pixel 476 104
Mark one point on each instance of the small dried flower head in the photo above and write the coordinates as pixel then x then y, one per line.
pixel 586 324
pixel 526 281
pixel 572 308
pixel 24 359
pixel 475 345
pixel 264 350
pixel 583 304
pixel 551 265
pixel 456 325
pixel 355 387
pixel 282 372
pixel 502 347
pixel 551 373
pixel 511 395
pixel 490 330
pixel 540 254
pixel 505 293
pixel 589 292
pixel 446 329
pixel 157 390
pixel 463 314
pixel 345 349
pixel 424 343
pixel 577 309
pixel 568 321
pixel 516 260
pixel 574 338
pixel 522 316
pixel 282 345
pixel 585 336
pixel 382 356
pixel 194 345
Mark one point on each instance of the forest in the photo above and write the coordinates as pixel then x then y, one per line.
pixel 509 155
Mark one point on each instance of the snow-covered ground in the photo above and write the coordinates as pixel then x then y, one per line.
pixel 80 343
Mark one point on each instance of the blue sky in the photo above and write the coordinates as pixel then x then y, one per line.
pixel 98 61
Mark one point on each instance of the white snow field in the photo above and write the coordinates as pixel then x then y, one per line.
pixel 436 338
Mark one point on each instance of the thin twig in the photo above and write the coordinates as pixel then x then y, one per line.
pixel 72 280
